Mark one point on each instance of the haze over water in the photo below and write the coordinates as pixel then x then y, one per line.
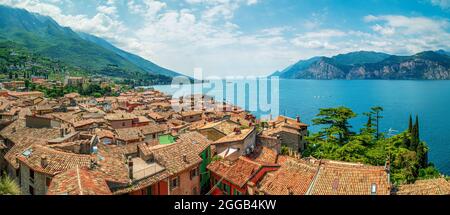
pixel 428 99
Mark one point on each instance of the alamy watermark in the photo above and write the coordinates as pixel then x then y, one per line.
pixel 232 93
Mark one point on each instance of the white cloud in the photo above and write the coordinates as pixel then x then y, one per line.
pixel 104 23
pixel 205 35
pixel 445 4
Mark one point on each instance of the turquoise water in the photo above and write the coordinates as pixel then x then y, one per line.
pixel 429 99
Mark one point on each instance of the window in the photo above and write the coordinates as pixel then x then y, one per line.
pixel 149 190
pixel 31 175
pixel 48 180
pixel 154 136
pixel 175 182
pixel 123 124
pixel 237 192
pixel 194 191
pixel 31 189
pixel 227 188
pixel 194 173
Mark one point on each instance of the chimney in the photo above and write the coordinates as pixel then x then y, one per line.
pixel 92 163
pixel 387 168
pixel 273 124
pixel 185 158
pixel 61 132
pixel 237 130
pixel 44 161
pixel 238 121
pixel 290 191
pixel 298 118
pixel 130 167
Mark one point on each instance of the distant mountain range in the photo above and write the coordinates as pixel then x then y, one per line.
pixel 44 36
pixel 428 65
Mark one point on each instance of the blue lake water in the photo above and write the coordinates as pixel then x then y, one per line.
pixel 428 99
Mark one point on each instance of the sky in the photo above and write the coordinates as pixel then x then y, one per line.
pixel 252 37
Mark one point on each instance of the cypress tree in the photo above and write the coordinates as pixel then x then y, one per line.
pixel 415 139
pixel 417 128
pixel 410 126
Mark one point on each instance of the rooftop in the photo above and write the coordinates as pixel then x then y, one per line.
pixel 437 186
pixel 79 181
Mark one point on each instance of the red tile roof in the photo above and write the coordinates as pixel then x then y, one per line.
pixel 79 181
pixel 293 178
pixel 238 173
pixel 437 186
pixel 57 161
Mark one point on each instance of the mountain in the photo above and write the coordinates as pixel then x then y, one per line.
pixel 429 65
pixel 361 57
pixel 44 36
pixel 135 59
pixel 443 52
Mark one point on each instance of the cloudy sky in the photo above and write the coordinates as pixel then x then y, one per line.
pixel 253 37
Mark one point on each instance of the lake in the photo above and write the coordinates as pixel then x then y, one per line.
pixel 428 99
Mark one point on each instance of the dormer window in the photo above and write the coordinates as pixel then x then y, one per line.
pixel 373 189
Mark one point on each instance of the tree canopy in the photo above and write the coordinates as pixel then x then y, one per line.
pixel 335 140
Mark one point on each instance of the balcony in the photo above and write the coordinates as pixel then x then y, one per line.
pixel 143 169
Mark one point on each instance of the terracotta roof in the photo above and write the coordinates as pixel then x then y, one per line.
pixel 198 141
pixel 232 137
pixel 23 137
pixel 290 121
pixel 57 161
pixel 292 178
pixel 136 133
pixel 325 177
pixel 238 172
pixel 155 115
pixel 277 130
pixel 129 134
pixel 437 186
pixel 143 183
pixel 190 113
pixel 82 123
pixel 264 155
pixel 112 164
pixel 171 156
pixel 120 116
pixel 101 133
pixel 79 181
pixel 151 129
pixel 225 126
pixel 342 178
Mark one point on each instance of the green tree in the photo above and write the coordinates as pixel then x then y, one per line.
pixel 8 186
pixel 410 125
pixel 368 129
pixel 377 112
pixel 415 138
pixel 337 121
pixel 27 84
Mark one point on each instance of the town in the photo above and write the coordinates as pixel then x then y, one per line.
pixel 135 143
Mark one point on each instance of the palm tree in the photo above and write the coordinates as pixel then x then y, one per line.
pixel 8 186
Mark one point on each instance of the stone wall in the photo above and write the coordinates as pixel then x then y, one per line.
pixel 39 182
